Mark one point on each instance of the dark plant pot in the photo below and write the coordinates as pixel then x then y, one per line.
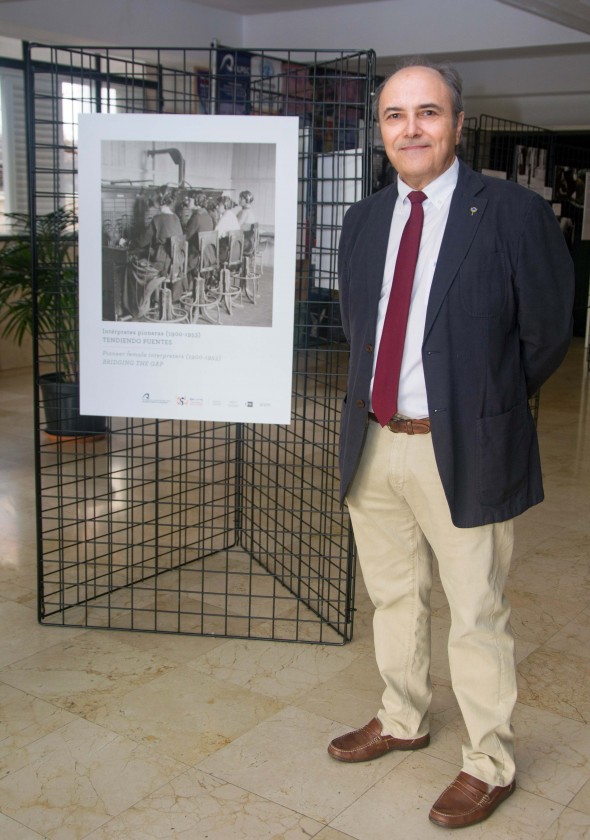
pixel 61 402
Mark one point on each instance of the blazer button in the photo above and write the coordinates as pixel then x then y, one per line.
pixel 369 348
pixel 360 403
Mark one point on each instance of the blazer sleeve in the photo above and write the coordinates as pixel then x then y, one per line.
pixel 345 246
pixel 544 283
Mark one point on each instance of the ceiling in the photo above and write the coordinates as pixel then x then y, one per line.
pixel 572 13
pixel 575 14
pixel 255 7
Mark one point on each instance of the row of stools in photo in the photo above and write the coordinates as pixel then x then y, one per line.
pixel 184 285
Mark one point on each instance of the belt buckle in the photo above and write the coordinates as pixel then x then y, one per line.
pixel 396 425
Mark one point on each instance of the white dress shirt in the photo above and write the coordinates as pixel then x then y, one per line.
pixel 412 387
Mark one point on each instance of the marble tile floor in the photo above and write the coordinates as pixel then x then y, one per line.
pixel 110 735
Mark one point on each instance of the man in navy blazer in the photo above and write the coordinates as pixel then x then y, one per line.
pixel 490 320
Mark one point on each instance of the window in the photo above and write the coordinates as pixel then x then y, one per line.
pixel 76 99
pixel 2 199
pixel 13 149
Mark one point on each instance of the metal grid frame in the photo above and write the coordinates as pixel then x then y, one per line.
pixel 499 147
pixel 185 527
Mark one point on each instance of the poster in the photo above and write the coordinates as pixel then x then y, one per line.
pixel 233 81
pixel 586 217
pixel 299 91
pixel 531 168
pixel 569 185
pixel 202 91
pixel 266 85
pixel 166 331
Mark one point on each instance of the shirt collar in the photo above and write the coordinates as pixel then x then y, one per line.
pixel 438 190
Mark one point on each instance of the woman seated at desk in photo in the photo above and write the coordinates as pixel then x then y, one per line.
pixel 227 218
pixel 246 215
pixel 157 234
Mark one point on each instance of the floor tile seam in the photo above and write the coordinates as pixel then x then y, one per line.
pixel 558 805
pixel 28 694
pixel 34 741
pixel 523 637
pixel 284 700
pixel 8 669
pixel 392 771
pixel 563 629
pixel 116 736
pixel 255 792
pixel 24 825
pixel 521 785
pixel 556 631
pixel 571 807
pixel 579 719
pixel 581 662
pixel 286 696
pixel 455 768
pixel 532 546
pixel 160 747
pixel 148 795
pixel 260 796
pixel 578 605
pixel 537 551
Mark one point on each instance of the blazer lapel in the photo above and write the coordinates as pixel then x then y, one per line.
pixel 465 215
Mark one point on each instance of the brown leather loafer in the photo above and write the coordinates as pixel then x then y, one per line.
pixel 368 742
pixel 467 801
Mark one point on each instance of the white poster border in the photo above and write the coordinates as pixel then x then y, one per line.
pixel 187 371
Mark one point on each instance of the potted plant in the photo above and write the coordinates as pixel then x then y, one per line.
pixel 39 297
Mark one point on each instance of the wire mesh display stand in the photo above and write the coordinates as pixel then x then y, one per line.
pixel 198 527
pixel 518 152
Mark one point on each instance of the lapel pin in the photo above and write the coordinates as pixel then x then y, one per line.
pixel 473 210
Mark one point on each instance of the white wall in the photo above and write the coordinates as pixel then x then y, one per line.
pixel 547 82
pixel 547 90
pixel 407 27
pixel 149 23
pixel 515 65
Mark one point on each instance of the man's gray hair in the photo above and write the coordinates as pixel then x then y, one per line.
pixel 449 76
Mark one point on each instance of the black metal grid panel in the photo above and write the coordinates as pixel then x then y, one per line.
pixel 548 162
pixel 185 527
pixel 500 145
pixel 570 165
pixel 517 152
pixel 468 145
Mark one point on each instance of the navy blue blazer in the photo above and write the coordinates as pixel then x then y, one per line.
pixel 498 324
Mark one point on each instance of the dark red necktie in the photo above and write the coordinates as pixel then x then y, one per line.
pixel 391 348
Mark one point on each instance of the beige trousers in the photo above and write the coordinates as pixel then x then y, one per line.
pixel 400 516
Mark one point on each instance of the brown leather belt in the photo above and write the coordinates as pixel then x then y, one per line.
pixel 408 427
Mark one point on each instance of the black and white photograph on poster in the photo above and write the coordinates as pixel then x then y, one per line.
pixel 586 217
pixel 569 185
pixel 187 258
pixel 192 248
pixel 531 167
